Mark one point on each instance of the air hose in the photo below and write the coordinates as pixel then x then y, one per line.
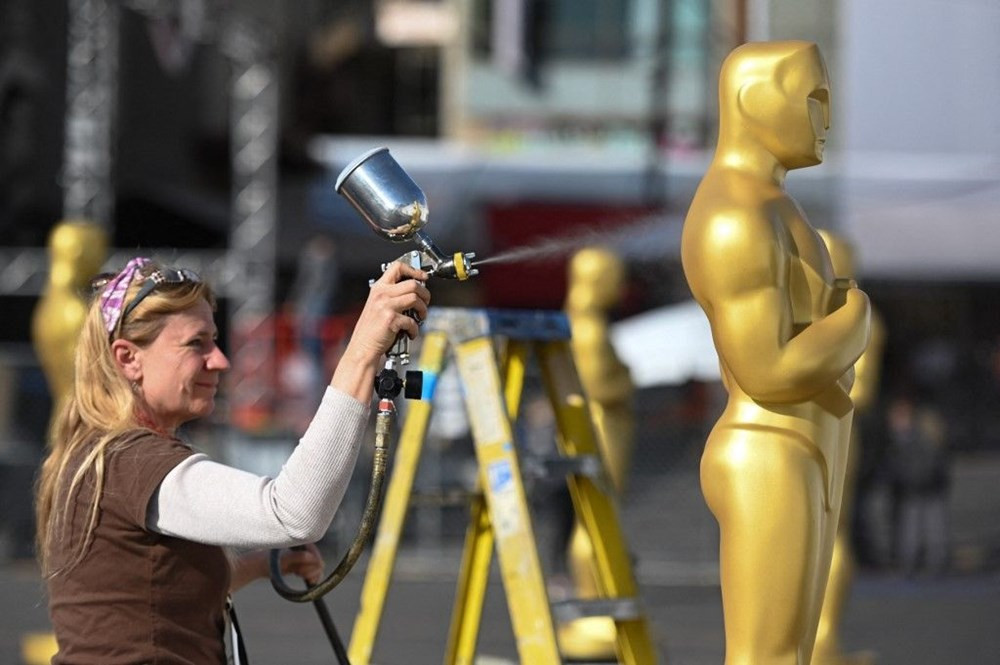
pixel 368 519
pixel 388 385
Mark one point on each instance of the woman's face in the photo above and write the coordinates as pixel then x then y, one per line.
pixel 181 368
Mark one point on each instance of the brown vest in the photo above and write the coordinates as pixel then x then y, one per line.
pixel 137 597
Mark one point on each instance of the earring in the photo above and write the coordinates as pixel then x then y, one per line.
pixel 135 387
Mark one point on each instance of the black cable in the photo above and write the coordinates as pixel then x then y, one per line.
pixel 328 626
pixel 331 631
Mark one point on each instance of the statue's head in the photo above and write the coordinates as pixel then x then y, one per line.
pixel 596 278
pixel 78 247
pixel 778 95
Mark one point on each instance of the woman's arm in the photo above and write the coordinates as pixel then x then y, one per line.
pixel 215 504
pixel 211 503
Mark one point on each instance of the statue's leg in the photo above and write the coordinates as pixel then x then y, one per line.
pixel 841 572
pixel 766 489
pixel 828 650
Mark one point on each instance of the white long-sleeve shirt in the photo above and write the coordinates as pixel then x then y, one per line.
pixel 211 503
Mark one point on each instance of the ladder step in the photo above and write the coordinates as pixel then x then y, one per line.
pixel 550 466
pixel 619 609
pixel 443 498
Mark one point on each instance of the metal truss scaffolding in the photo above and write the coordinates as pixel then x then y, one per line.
pixel 245 274
pixel 91 109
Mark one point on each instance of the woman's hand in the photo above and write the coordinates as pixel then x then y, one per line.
pixel 305 561
pixel 398 290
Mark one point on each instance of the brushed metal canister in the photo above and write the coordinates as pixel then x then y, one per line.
pixel 384 194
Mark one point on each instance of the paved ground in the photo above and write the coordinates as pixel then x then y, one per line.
pixel 952 620
pixel 947 621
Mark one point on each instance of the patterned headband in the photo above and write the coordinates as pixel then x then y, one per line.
pixel 113 296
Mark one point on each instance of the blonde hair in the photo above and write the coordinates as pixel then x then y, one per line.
pixel 100 415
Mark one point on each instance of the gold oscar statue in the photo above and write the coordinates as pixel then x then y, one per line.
pixel 596 284
pixel 867 372
pixel 787 334
pixel 76 252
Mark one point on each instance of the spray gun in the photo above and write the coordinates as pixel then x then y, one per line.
pixel 396 209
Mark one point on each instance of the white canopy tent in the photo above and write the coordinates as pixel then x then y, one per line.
pixel 667 346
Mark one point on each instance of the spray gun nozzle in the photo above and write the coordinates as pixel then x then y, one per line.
pixel 459 267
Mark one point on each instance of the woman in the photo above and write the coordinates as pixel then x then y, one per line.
pixel 134 526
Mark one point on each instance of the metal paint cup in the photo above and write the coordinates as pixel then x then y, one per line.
pixel 384 194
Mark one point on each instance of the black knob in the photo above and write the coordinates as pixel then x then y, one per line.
pixel 388 384
pixel 414 385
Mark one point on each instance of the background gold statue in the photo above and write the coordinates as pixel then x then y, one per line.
pixel 76 252
pixel 596 285
pixel 867 373
pixel 787 334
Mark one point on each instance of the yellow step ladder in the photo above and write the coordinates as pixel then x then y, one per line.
pixel 500 514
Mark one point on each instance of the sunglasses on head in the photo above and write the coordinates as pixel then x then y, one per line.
pixel 114 286
pixel 157 278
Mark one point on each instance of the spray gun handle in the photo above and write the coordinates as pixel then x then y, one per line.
pixel 400 350
pixel 388 384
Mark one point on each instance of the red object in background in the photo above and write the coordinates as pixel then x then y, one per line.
pixel 259 402
pixel 541 284
pixel 334 335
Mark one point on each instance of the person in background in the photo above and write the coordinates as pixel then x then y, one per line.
pixel 136 530
pixel 310 303
pixel 918 459
pixel 313 294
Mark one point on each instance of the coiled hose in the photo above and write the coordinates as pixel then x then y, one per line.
pixel 368 519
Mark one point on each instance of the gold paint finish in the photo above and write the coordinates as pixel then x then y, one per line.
pixel 596 284
pixel 787 334
pixel 77 250
pixel 867 372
